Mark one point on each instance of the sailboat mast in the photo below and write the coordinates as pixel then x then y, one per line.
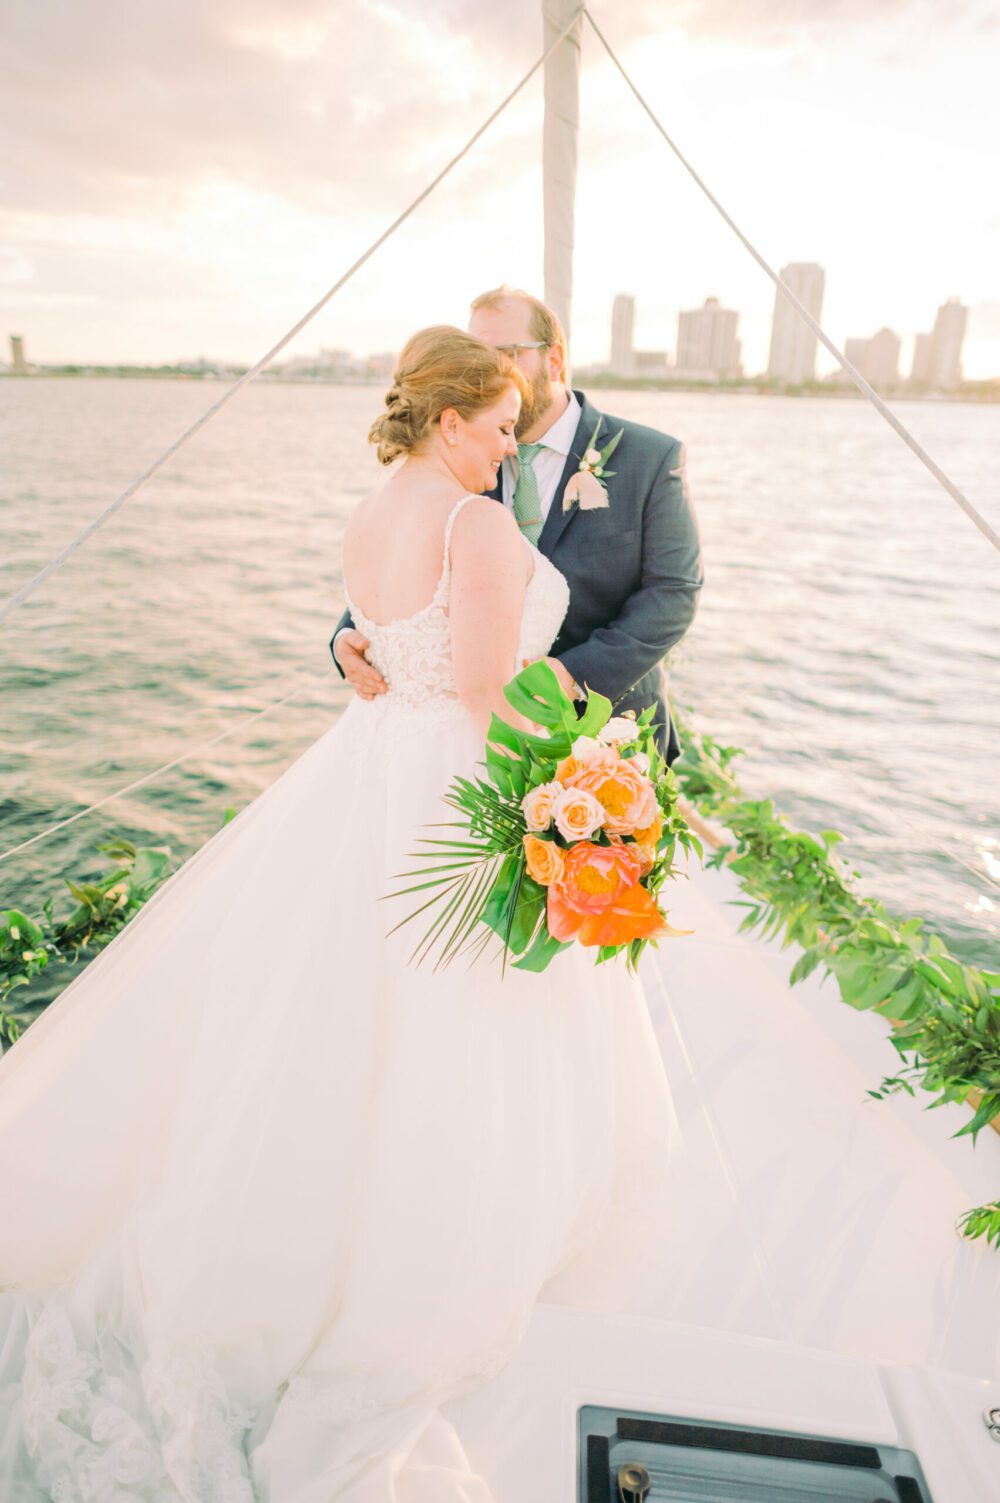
pixel 561 129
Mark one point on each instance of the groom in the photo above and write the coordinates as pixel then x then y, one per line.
pixel 633 562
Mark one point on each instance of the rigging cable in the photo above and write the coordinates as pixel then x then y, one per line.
pixel 167 766
pixel 976 517
pixel 255 370
pixel 21 595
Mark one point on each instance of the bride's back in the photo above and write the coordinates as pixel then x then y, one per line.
pixel 451 411
pixel 394 545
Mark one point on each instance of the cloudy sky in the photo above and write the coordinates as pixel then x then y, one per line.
pixel 186 177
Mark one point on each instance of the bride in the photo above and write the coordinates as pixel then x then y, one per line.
pixel 270 1194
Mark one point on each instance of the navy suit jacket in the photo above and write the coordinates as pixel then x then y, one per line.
pixel 634 568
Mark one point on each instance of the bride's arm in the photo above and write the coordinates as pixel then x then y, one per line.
pixel 489 577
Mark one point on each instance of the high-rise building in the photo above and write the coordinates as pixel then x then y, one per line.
pixel 923 352
pixel 793 344
pixel 877 359
pixel 622 331
pixel 18 360
pixel 855 350
pixel 882 359
pixel 707 345
pixel 937 357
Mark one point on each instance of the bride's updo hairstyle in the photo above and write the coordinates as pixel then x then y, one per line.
pixel 440 367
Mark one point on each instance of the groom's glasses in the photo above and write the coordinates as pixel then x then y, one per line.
pixel 513 350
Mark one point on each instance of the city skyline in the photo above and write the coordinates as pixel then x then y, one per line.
pixel 707 345
pixel 252 176
pixel 707 349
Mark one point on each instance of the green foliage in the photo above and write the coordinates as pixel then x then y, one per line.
pixel 477 880
pixel 104 906
pixel 982 1221
pixel 945 1015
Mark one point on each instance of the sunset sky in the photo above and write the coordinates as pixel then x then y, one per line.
pixel 182 178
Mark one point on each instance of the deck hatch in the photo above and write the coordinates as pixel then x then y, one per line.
pixel 690 1461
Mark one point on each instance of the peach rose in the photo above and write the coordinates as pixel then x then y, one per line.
pixel 650 836
pixel 598 899
pixel 567 770
pixel 647 857
pixel 577 814
pixel 537 805
pixel 592 758
pixel 544 858
pixel 627 797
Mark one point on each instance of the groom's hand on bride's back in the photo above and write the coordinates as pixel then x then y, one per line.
pixel 349 648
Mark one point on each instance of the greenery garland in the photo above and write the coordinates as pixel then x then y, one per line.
pixel 29 946
pixel 945 1015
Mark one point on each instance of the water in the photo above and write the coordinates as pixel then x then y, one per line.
pixel 848 635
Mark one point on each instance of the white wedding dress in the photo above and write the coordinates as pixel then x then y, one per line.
pixel 269 1193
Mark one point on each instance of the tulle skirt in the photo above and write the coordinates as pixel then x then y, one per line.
pixel 270 1193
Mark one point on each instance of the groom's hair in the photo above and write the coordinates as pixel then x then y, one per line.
pixel 543 324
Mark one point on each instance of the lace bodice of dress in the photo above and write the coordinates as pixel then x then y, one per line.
pixel 413 654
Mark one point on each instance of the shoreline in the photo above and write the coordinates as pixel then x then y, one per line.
pixel 974 394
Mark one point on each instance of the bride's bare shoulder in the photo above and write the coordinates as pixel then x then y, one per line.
pixel 483 521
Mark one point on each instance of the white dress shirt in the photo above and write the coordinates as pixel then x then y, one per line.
pixel 549 462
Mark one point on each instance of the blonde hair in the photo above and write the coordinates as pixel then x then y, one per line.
pixel 543 323
pixel 440 367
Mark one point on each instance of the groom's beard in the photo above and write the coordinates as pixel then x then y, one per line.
pixel 534 404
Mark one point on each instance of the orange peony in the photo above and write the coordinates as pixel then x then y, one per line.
pixel 544 859
pixel 627 797
pixel 598 899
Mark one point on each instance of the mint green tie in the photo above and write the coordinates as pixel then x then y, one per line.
pixel 527 507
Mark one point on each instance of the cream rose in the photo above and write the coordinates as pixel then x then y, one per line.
pixel 585 747
pixel 577 814
pixel 537 805
pixel 619 729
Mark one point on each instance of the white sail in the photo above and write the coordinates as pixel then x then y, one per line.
pixel 562 118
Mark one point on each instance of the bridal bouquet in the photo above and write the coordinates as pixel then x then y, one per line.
pixel 568 839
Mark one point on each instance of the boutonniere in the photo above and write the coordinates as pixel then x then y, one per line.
pixel 587 486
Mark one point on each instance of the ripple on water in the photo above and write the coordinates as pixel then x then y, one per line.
pixel 848 636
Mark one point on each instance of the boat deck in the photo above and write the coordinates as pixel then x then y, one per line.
pixel 812 1278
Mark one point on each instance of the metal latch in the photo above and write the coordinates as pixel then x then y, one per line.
pixel 634 1482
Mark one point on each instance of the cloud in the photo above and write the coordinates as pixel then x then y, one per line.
pixel 118 108
pixel 815 24
pixel 107 103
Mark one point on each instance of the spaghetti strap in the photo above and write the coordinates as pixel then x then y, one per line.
pixel 444 579
pixel 445 562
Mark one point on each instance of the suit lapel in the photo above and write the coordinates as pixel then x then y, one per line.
pixel 558 520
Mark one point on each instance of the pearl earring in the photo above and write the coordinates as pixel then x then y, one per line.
pixel 452 439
